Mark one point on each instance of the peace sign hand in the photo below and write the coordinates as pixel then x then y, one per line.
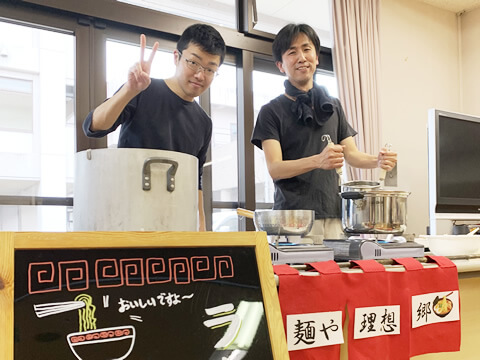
pixel 139 74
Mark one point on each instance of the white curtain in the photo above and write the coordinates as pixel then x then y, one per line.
pixel 357 66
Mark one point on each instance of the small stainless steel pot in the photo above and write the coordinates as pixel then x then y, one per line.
pixel 374 212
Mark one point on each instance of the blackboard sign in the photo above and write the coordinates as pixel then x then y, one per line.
pixel 111 295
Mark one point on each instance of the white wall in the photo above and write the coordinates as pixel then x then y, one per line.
pixel 420 70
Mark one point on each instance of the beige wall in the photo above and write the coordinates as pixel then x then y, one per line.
pixel 422 68
pixel 470 60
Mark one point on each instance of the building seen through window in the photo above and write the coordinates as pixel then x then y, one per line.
pixel 37 120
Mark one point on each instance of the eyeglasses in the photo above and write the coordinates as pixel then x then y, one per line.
pixel 195 66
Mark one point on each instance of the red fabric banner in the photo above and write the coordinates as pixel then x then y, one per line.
pixel 303 294
pixel 392 315
pixel 376 290
pixel 434 337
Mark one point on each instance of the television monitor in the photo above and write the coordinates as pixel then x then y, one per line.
pixel 453 167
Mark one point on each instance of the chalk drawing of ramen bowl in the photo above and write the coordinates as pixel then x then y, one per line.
pixel 115 343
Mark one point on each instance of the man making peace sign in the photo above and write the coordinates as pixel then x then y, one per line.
pixel 162 114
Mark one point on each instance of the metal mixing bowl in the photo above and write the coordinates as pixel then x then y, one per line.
pixel 284 222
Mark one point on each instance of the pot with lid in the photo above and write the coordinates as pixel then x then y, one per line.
pixel 374 211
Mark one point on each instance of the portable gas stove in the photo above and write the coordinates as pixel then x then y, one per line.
pixel 296 250
pixel 373 246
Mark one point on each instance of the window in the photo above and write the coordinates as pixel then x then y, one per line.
pixel 219 12
pixel 223 98
pixel 37 136
pixel 266 86
pixel 269 16
pixel 224 220
pixel 328 80
pixel 224 145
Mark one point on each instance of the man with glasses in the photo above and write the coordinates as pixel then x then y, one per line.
pixel 290 129
pixel 162 114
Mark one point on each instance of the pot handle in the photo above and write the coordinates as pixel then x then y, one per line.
pixel 383 173
pixel 352 195
pixel 245 213
pixel 146 174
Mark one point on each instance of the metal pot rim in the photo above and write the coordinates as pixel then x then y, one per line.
pixel 362 183
pixel 395 193
pixel 278 211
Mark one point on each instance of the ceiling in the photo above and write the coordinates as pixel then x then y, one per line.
pixel 454 5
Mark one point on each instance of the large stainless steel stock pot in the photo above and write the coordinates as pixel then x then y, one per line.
pixel 374 212
pixel 135 190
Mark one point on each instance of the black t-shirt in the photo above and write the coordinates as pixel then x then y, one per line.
pixel 317 189
pixel 157 118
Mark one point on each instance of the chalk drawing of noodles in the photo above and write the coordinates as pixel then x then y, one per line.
pixel 90 343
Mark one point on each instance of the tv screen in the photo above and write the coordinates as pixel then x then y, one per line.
pixel 459 158
pixel 454 162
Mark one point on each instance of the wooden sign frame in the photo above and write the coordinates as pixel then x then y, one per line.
pixel 12 241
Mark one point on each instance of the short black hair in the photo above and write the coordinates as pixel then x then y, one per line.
pixel 205 36
pixel 287 35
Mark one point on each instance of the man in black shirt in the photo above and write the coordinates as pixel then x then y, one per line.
pixel 290 129
pixel 162 114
